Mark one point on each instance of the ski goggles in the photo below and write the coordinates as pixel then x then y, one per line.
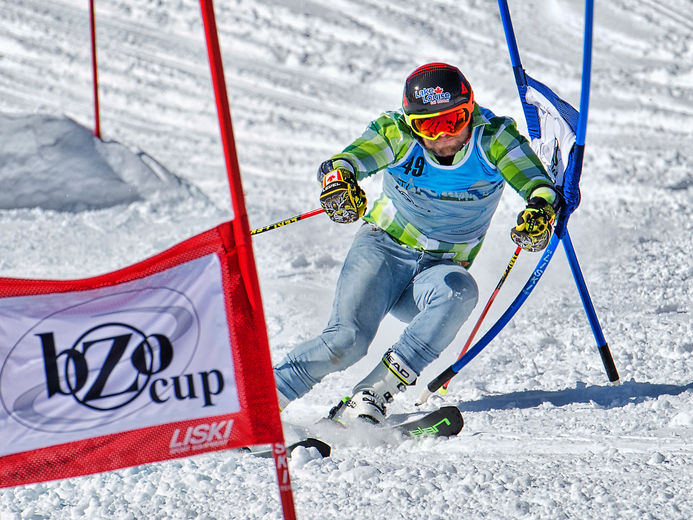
pixel 432 126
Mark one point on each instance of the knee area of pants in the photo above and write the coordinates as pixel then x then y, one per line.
pixel 344 347
pixel 462 288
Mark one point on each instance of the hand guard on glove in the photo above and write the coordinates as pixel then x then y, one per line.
pixel 342 198
pixel 534 225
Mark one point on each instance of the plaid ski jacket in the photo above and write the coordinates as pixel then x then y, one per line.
pixel 439 209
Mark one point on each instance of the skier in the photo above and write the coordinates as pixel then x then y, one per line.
pixel 445 161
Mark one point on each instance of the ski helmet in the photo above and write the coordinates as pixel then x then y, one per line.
pixel 433 90
pixel 436 87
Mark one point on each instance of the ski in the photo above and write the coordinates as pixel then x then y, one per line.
pixel 446 421
pixel 266 452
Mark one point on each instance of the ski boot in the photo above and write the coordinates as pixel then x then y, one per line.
pixel 374 392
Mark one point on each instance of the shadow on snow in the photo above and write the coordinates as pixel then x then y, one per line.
pixel 606 396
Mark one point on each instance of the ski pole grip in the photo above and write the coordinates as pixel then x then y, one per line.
pixel 439 381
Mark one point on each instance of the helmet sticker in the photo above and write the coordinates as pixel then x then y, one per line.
pixel 433 96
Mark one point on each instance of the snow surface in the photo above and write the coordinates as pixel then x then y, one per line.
pixel 545 435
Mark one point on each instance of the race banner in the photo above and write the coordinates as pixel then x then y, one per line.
pixel 156 361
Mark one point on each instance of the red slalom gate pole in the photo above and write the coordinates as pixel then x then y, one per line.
pixel 94 71
pixel 241 232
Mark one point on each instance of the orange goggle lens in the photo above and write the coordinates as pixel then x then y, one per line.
pixel 432 126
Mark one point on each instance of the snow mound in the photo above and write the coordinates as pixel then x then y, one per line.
pixel 57 164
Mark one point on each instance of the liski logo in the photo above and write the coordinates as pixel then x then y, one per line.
pixel 433 96
pixel 201 436
pixel 96 362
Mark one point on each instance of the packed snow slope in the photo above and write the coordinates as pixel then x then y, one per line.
pixel 545 435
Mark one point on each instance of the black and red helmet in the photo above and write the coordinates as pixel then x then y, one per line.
pixel 437 100
pixel 434 88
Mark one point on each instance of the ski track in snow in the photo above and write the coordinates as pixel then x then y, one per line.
pixel 545 435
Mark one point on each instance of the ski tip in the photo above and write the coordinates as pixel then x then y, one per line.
pixel 445 421
pixel 264 452
pixel 454 415
pixel 323 448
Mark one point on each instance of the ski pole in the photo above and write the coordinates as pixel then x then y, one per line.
pixel 488 306
pixel 425 394
pixel 287 221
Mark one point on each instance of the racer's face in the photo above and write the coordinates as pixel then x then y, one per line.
pixel 448 145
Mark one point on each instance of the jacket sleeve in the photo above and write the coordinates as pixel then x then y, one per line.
pixel 514 157
pixel 381 144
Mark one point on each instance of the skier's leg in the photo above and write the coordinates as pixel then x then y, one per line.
pixel 374 274
pixel 436 304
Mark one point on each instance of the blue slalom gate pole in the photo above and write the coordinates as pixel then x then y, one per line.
pixel 603 347
pixel 586 74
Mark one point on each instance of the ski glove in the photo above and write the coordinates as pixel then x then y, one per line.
pixel 342 198
pixel 535 223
